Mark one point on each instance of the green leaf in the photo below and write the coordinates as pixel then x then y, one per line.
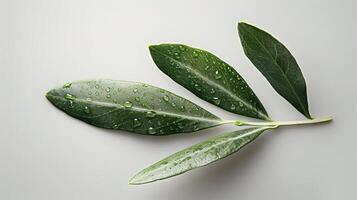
pixel 198 155
pixel 209 78
pixel 277 64
pixel 130 106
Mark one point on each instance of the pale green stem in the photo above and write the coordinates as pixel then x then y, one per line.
pixel 281 123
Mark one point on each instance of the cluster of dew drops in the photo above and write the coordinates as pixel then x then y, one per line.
pixel 179 54
pixel 127 104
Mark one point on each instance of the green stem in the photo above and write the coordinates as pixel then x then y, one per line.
pixel 282 123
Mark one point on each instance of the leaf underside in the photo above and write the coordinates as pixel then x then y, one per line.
pixel 131 106
pixel 277 64
pixel 209 78
pixel 198 155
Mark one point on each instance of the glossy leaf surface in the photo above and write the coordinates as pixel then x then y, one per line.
pixel 277 64
pixel 209 78
pixel 198 155
pixel 130 106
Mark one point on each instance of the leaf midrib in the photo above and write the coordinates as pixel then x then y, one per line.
pixel 138 109
pixel 213 83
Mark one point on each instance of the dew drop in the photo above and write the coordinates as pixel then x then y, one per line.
pixel 195 54
pixel 107 89
pixel 212 91
pixel 69 97
pixel 145 85
pixel 135 90
pixel 116 126
pixel 128 104
pixel 136 122
pixel 137 99
pixel 217 75
pixel 197 87
pixel 151 114
pixel 240 104
pixel 151 131
pixel 182 48
pixel 216 100
pixel 89 99
pixel 108 96
pixel 182 108
pixel 86 109
pixel 71 105
pixel 67 85
pixel 173 104
pixel 166 98
pixel 97 86
pixel 233 107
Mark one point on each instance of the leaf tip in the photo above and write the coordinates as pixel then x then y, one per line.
pixel 135 181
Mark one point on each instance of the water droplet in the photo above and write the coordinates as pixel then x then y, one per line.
pixel 97 86
pixel 195 127
pixel 166 98
pixel 86 109
pixel 207 68
pixel 69 97
pixel 173 104
pixel 88 99
pixel 197 87
pixel 182 48
pixel 108 96
pixel 195 54
pixel 233 107
pixel 240 104
pixel 135 90
pixel 67 85
pixel 116 126
pixel 212 91
pixel 128 104
pixel 216 100
pixel 71 105
pixel 137 99
pixel 136 122
pixel 151 131
pixel 217 75
pixel 182 108
pixel 107 89
pixel 150 114
pixel 145 85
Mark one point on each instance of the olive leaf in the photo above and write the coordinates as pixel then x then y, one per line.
pixel 131 106
pixel 198 155
pixel 276 63
pixel 209 78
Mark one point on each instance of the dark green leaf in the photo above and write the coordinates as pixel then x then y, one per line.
pixel 131 106
pixel 198 155
pixel 277 64
pixel 209 78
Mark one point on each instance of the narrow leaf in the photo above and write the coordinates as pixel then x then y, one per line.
pixel 209 78
pixel 130 106
pixel 198 155
pixel 277 64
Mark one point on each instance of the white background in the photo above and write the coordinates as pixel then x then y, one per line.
pixel 45 154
